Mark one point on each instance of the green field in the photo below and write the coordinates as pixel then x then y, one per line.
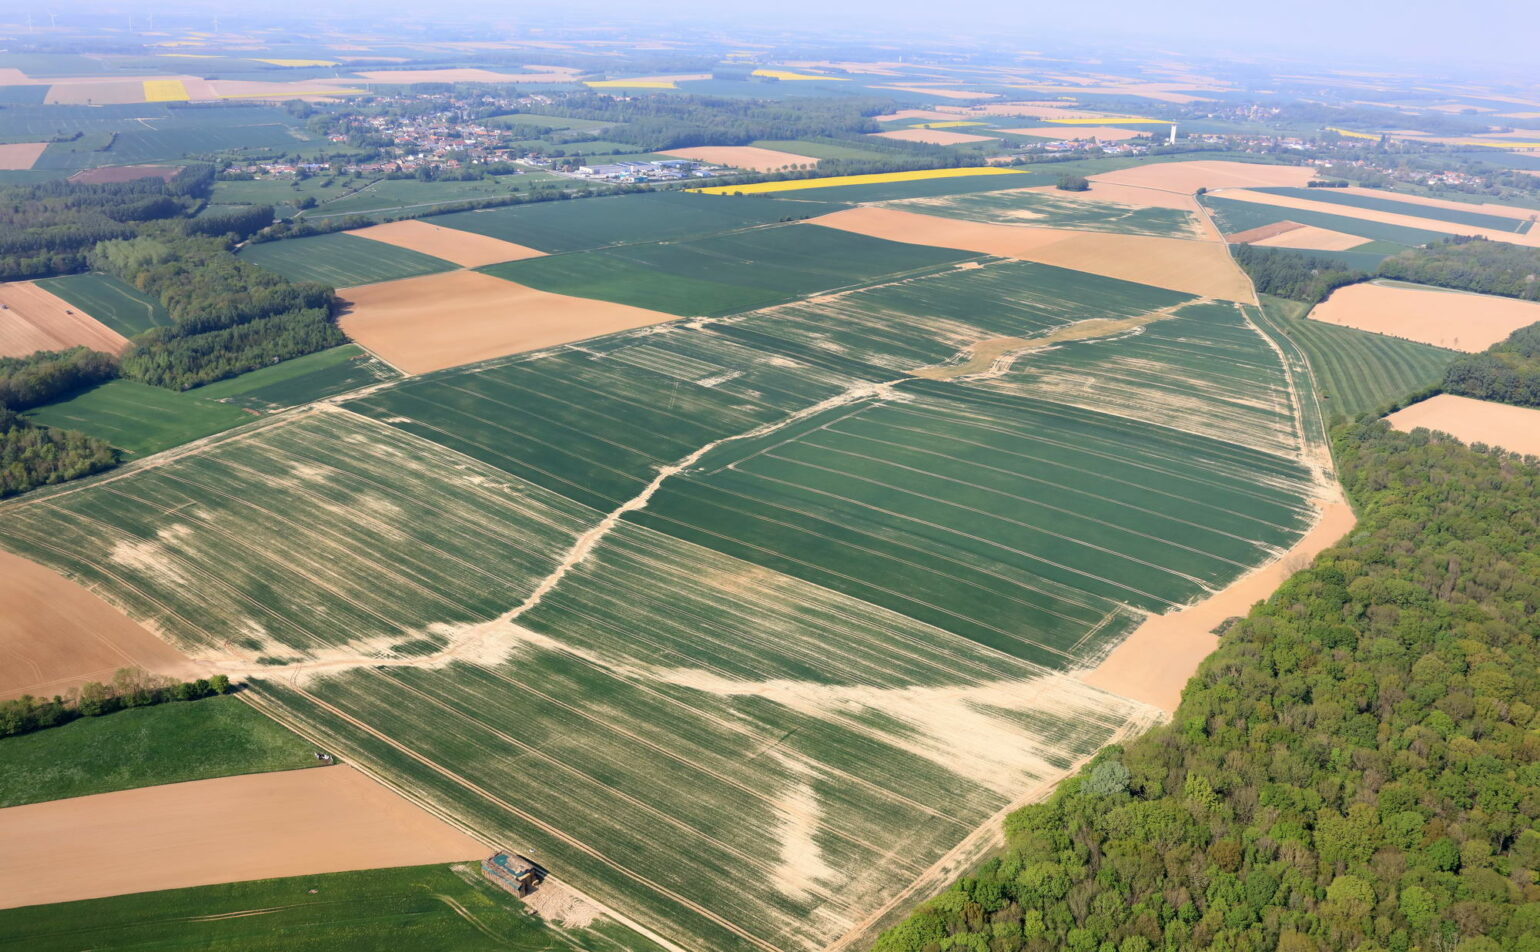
pixel 143 747
pixel 409 195
pixel 1358 372
pixel 919 188
pixel 342 260
pixel 140 419
pixel 1234 216
pixel 118 305
pixel 625 219
pixel 420 908
pixel 728 273
pixel 1388 203
pixel 304 379
pixel 1052 210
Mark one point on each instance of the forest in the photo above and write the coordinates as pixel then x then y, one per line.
pixel 1355 768
pixel 1471 264
pixel 50 375
pixel 1508 371
pixel 32 456
pixel 1292 274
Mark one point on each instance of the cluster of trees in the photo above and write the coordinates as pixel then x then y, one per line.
pixel 228 316
pixel 48 228
pixel 130 687
pixel 1471 264
pixel 1293 275
pixel 32 456
pixel 1357 767
pixel 50 375
pixel 1508 371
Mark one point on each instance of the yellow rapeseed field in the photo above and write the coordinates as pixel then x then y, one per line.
pixel 789 75
pixel 1350 133
pixel 791 185
pixel 164 90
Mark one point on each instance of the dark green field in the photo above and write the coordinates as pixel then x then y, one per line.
pixel 728 273
pixel 624 219
pixel 341 260
pixel 118 305
pixel 146 746
pixel 301 380
pixel 1388 203
pixel 416 908
pixel 1358 372
pixel 1234 216
pixel 919 188
pixel 1056 210
pixel 140 419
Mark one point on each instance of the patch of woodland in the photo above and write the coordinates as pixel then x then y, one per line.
pixel 129 688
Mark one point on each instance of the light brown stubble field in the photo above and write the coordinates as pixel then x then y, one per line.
pixel 20 155
pixel 31 319
pixel 1452 319
pixel 464 248
pixel 1516 429
pixel 748 157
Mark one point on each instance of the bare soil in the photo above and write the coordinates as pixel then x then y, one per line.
pixel 20 155
pixel 1453 319
pixel 96 93
pixel 465 248
pixel 1188 177
pixel 56 635
pixel 748 157
pixel 1311 238
pixel 1252 235
pixel 31 319
pixel 1103 133
pixel 258 826
pixel 1203 268
pixel 1516 429
pixel 1369 214
pixel 460 317
pixel 125 173
pixel 932 136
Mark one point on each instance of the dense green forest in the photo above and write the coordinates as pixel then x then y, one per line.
pixel 1355 768
pixel 32 456
pixel 1508 371
pixel 1471 264
pixel 49 375
pixel 1292 275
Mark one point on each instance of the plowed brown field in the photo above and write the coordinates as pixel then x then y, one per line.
pixel 1459 321
pixel 465 248
pixel 31 319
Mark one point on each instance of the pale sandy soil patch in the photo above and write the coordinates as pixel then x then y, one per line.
pixel 1102 133
pixel 231 829
pixel 743 157
pixel 11 76
pixel 1155 663
pixel 56 635
pixel 1311 238
pixel 459 317
pixel 1196 267
pixel 464 248
pixel 916 114
pixel 31 319
pixel 1386 218
pixel 99 93
pixel 1188 177
pixel 937 91
pixel 1516 429
pixel 932 136
pixel 1126 195
pixel 1452 319
pixel 463 76
pixel 20 155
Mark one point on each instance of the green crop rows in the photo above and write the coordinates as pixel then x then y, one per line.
pixel 301 380
pixel 1472 217
pixel 140 419
pixel 1055 211
pixel 341 260
pixel 1234 216
pixel 120 306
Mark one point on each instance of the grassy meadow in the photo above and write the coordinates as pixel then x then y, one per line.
pixel 342 260
pixel 120 306
pixel 300 380
pixel 140 419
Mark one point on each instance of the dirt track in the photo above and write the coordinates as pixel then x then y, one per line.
pixel 257 826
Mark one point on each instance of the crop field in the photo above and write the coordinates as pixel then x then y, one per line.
pixel 726 273
pixel 120 306
pixel 1045 208
pixel 138 418
pixel 1356 371
pixel 414 907
pixel 625 219
pixel 301 380
pixel 816 149
pixel 342 261
pixel 1234 216
pixel 1473 216
pixel 842 181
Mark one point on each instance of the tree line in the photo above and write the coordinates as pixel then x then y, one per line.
pixel 33 456
pixel 1471 264
pixel 130 687
pixel 1293 275
pixel 1355 768
pixel 1508 371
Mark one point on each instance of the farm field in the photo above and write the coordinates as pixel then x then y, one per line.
pixel 1515 429
pixel 1470 215
pixel 252 826
pixel 140 419
pixel 145 746
pixel 1300 237
pixel 726 273
pixel 341 260
pixel 464 248
pixel 445 320
pixel 436 908
pixel 1357 371
pixel 1420 218
pixel 1234 216
pixel 973 177
pixel 1193 267
pixel 120 306
pixel 815 149
pixel 300 380
pixel 32 319
pixel 20 155
pixel 752 158
pixel 1450 319
pixel 1050 210
pixel 1188 177
pixel 626 219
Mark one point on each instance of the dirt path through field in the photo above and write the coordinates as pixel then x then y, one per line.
pixel 256 826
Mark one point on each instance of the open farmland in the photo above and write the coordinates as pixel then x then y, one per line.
pixel 464 248
pixel 1235 216
pixel 120 306
pixel 300 380
pixel 727 273
pixel 1413 218
pixel 1471 215
pixel 32 319
pixel 1028 207
pixel 342 260
pixel 138 418
pixel 1456 320
pixel 1515 429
